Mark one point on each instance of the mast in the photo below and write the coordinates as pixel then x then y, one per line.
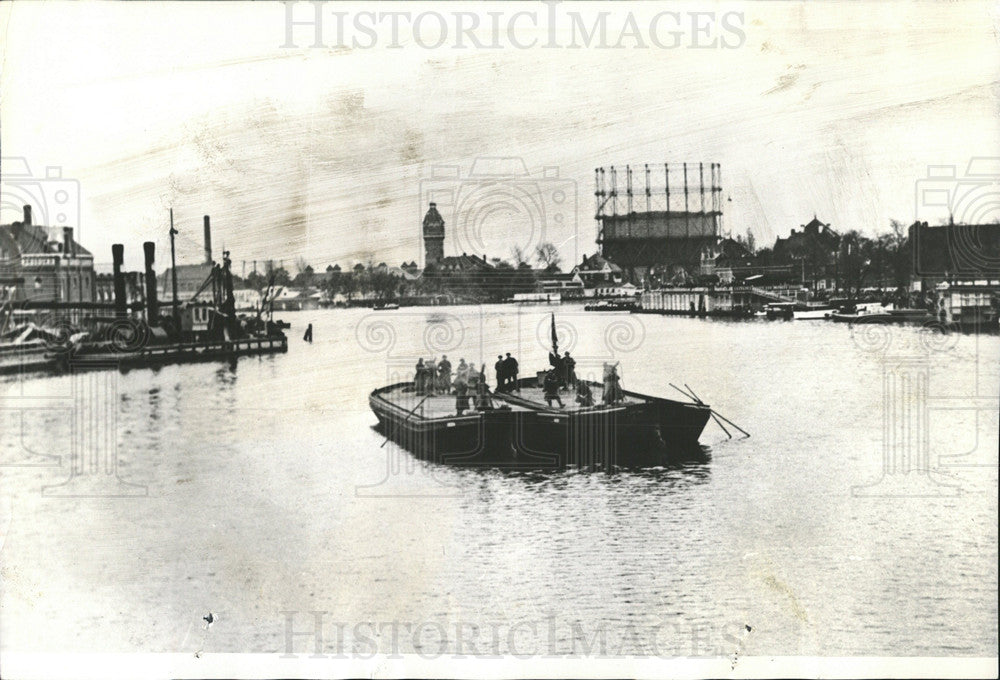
pixel 173 275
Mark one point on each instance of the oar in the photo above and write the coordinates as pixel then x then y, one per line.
pixel 408 416
pixel 699 401
pixel 719 414
pixel 747 434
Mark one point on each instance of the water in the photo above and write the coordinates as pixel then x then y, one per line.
pixel 265 496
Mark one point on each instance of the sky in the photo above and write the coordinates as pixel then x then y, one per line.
pixel 331 153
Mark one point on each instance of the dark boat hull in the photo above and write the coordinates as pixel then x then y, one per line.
pixel 475 439
pixel 651 433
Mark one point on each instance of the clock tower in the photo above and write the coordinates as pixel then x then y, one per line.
pixel 433 236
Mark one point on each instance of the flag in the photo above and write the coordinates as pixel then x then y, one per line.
pixel 555 340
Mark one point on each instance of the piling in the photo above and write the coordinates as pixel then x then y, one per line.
pixel 118 257
pixel 152 304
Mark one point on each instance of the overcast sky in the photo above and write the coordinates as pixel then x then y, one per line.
pixel 827 108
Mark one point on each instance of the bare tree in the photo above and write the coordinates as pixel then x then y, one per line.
pixel 548 256
pixel 519 256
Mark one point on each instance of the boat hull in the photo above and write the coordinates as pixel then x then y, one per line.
pixel 521 435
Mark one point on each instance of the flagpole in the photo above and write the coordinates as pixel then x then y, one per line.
pixel 555 340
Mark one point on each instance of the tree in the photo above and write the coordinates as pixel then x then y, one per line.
pixel 348 286
pixel 519 256
pixel 281 277
pixel 853 261
pixel 383 284
pixel 256 280
pixel 548 256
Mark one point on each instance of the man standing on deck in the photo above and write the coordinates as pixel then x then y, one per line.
pixel 550 388
pixel 431 368
pixel 481 400
pixel 510 369
pixel 569 365
pixel 501 375
pixel 444 374
pixel 612 385
pixel 418 376
pixel 462 374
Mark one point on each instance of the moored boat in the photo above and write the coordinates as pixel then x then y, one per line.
pixel 521 431
pixel 813 312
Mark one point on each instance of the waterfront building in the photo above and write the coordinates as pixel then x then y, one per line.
pixel 814 249
pixel 954 252
pixel 567 286
pixel 598 272
pixel 45 264
pixel 463 263
pixel 957 266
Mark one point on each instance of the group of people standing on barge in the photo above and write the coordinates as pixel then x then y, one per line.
pixel 506 370
pixel 562 376
pixel 435 377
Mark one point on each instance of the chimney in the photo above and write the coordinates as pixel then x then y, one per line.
pixel 118 256
pixel 152 306
pixel 208 241
pixel 68 249
pixel 27 215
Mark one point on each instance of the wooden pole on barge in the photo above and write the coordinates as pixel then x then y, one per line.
pixel 412 411
pixel 714 412
pixel 701 403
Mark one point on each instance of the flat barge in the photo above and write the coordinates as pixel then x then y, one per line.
pixel 521 431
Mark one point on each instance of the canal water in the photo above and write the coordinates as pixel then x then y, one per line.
pixel 859 518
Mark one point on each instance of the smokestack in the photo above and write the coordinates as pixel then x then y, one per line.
pixel 27 215
pixel 152 305
pixel 68 241
pixel 118 255
pixel 208 241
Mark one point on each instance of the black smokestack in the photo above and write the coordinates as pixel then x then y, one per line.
pixel 68 241
pixel 118 255
pixel 208 242
pixel 27 215
pixel 152 305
